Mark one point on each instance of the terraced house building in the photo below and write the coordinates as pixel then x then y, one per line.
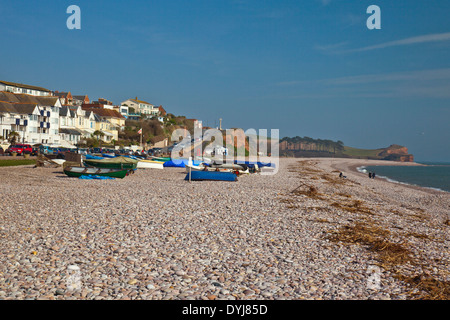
pixel 76 124
pixel 34 118
pixel 107 120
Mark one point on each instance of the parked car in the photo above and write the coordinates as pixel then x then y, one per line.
pixel 154 151
pixel 20 149
pixel 83 151
pixel 45 149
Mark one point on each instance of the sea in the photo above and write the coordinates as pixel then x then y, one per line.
pixel 435 175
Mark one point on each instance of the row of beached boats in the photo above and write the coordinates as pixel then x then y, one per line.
pixel 113 166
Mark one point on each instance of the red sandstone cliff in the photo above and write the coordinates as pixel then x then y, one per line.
pixel 396 153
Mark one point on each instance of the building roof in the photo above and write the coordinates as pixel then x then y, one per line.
pixel 139 101
pixel 18 108
pixel 106 113
pixel 80 97
pixel 25 108
pixel 70 131
pixel 60 94
pixel 26 98
pixel 64 111
pixel 7 107
pixel 25 86
pixel 162 110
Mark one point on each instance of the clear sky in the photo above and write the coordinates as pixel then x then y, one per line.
pixel 309 68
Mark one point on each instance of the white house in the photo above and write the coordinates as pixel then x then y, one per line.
pixel 34 118
pixel 141 107
pixel 23 88
pixel 123 110
pixel 33 123
pixel 76 124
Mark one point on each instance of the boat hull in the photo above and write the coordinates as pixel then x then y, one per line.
pixel 206 168
pixel 148 164
pixel 104 172
pixel 113 163
pixel 229 166
pixel 59 161
pixel 210 175
pixel 160 159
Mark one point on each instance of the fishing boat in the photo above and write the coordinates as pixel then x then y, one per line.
pixel 160 159
pixel 210 175
pixel 113 163
pixel 180 163
pixel 149 164
pixel 109 155
pixel 203 167
pixel 231 166
pixel 92 157
pixel 103 172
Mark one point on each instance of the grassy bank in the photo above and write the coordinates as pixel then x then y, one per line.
pixel 361 153
pixel 16 162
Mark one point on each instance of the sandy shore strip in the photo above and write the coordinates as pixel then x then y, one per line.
pixel 303 233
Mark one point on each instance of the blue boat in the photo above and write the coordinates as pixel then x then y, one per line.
pixel 108 155
pixel 251 164
pixel 180 163
pixel 211 175
pixel 92 157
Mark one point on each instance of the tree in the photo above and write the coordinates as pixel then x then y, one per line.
pixel 340 145
pixel 13 137
pixel 98 133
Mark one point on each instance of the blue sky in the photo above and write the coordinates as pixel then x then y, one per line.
pixel 309 68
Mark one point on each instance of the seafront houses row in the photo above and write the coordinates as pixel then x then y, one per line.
pixel 39 115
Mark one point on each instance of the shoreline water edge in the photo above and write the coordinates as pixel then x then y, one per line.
pixel 363 169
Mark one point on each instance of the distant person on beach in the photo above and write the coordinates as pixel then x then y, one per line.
pixel 373 175
pixel 370 175
pixel 340 175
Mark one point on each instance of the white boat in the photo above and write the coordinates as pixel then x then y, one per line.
pixel 58 161
pixel 207 168
pixel 191 167
pixel 230 166
pixel 149 164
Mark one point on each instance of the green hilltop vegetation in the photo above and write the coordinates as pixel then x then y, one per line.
pixel 363 153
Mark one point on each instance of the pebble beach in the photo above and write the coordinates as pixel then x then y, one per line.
pixel 303 233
